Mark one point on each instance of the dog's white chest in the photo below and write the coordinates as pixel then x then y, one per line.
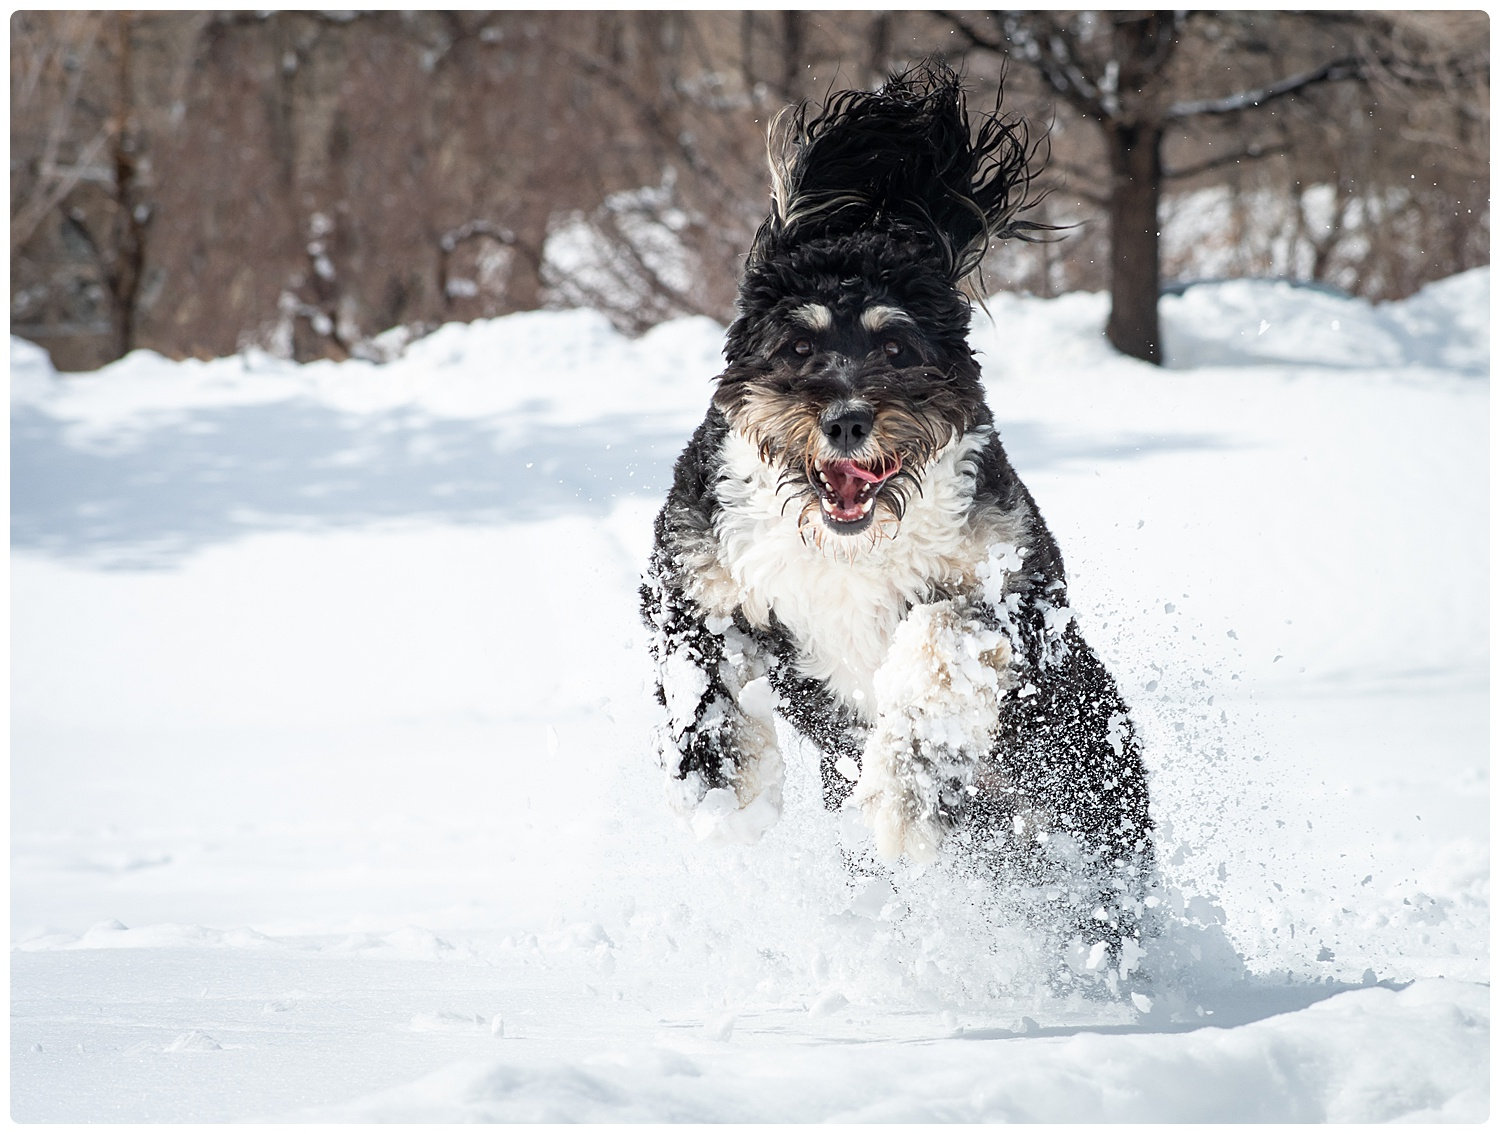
pixel 842 601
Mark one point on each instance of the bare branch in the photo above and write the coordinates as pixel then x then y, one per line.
pixel 1335 71
pixel 57 183
pixel 70 50
pixel 970 33
pixel 1053 51
pixel 1069 172
pixel 1252 152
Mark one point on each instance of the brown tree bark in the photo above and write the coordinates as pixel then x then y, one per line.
pixel 1135 166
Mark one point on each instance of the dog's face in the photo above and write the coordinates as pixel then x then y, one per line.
pixel 849 370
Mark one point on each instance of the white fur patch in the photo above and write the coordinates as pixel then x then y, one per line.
pixel 813 316
pixel 941 684
pixel 842 601
pixel 875 319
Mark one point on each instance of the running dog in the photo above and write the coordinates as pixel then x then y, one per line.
pixel 846 544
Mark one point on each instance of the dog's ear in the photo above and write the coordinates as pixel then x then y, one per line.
pixel 901 158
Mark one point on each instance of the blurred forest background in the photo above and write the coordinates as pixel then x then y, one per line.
pixel 321 184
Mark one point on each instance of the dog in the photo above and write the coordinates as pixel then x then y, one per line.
pixel 845 543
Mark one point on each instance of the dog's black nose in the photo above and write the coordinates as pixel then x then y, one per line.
pixel 847 429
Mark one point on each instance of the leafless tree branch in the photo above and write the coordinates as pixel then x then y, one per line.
pixel 1333 71
pixel 1252 152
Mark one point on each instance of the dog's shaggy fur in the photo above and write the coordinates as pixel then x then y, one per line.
pixel 846 543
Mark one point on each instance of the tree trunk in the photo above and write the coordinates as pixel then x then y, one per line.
pixel 791 56
pixel 1134 327
pixel 123 262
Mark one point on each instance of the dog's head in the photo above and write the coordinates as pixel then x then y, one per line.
pixel 849 365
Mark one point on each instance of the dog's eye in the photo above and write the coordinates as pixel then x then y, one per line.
pixel 802 348
pixel 892 348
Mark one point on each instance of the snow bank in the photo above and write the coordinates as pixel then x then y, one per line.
pixel 552 367
pixel 1241 322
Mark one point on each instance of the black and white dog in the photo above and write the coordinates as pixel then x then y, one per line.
pixel 846 544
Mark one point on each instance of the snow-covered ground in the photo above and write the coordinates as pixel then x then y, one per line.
pixel 330 794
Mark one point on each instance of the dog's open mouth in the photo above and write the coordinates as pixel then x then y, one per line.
pixel 847 490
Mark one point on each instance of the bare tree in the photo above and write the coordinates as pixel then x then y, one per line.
pixel 49 65
pixel 120 246
pixel 304 180
pixel 61 137
pixel 1140 78
pixel 88 187
pixel 692 93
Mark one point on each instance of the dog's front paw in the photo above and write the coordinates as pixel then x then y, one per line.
pixel 939 695
pixel 903 826
pixel 740 798
pixel 740 812
pixel 907 805
pixel 724 772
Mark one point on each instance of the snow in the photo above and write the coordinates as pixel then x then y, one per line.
pixel 588 265
pixel 332 787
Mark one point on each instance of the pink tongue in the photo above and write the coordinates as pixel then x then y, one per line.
pixel 848 479
pixel 856 470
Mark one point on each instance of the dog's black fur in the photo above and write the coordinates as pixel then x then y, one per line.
pixel 849 377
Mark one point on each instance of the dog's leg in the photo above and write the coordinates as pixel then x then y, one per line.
pixel 718 740
pixel 814 712
pixel 939 694
pixel 1077 798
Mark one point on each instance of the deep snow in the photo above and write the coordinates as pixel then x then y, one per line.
pixel 329 716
